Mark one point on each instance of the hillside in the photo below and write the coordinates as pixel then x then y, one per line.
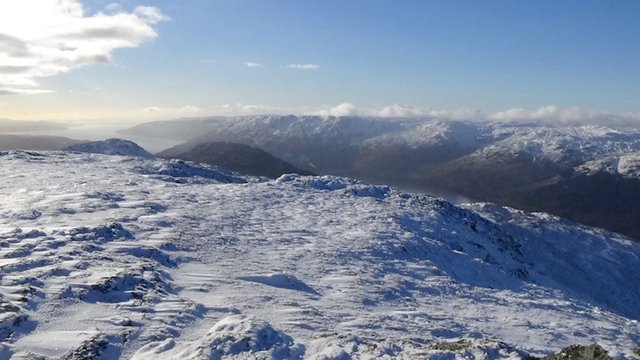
pixel 111 147
pixel 124 257
pixel 235 157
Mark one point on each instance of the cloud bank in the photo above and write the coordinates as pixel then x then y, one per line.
pixel 569 116
pixel 162 110
pixel 402 111
pixel 551 115
pixel 42 38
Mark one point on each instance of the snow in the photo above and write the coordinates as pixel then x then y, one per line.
pixel 234 335
pixel 626 165
pixel 562 145
pixel 111 147
pixel 124 257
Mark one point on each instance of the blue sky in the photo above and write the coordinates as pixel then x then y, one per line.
pixel 480 55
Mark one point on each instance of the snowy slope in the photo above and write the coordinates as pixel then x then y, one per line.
pixel 111 147
pixel 626 165
pixel 564 145
pixel 123 257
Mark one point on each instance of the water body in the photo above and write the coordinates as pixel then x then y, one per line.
pixel 102 132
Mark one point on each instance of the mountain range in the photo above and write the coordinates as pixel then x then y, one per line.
pixel 587 173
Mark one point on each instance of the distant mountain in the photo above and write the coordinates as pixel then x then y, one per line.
pixel 7 125
pixel 111 147
pixel 235 157
pixel 506 162
pixel 31 142
pixel 175 129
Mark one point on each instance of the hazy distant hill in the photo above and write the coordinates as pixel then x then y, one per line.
pixel 30 142
pixel 175 129
pixel 517 164
pixel 236 157
pixel 7 125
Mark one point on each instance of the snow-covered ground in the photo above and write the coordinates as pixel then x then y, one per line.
pixel 123 257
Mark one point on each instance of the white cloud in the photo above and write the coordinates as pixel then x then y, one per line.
pixel 253 64
pixel 113 8
pixel 151 14
pixel 569 116
pixel 344 109
pixel 550 114
pixel 389 111
pixel 250 109
pixel 17 91
pixel 160 110
pixel 42 38
pixel 303 66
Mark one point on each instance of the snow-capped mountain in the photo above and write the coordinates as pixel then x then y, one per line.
pixel 626 165
pixel 506 162
pixel 111 147
pixel 561 144
pixel 124 257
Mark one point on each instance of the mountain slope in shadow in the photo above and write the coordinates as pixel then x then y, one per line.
pixel 235 157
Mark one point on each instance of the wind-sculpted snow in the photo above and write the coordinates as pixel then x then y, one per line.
pixel 106 257
pixel 333 183
pixel 574 254
pixel 235 336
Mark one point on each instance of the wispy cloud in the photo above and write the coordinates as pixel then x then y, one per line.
pixel 43 38
pixel 253 64
pixel 18 91
pixel 570 116
pixel 161 110
pixel 304 66
pixel 251 109
pixel 397 111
